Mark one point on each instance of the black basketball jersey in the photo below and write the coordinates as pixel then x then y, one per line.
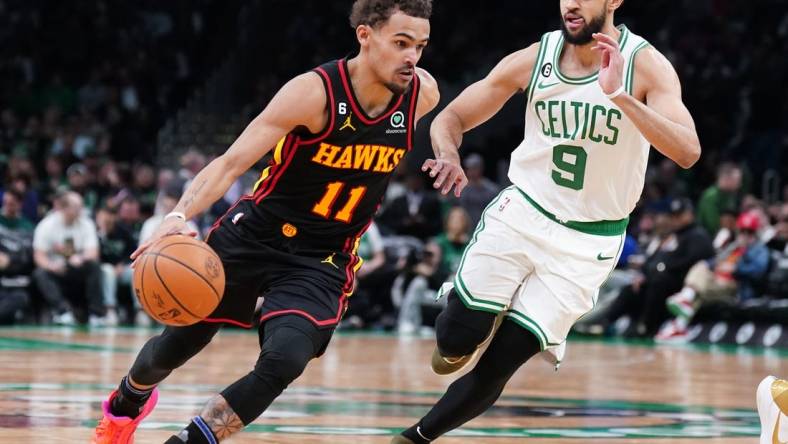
pixel 325 188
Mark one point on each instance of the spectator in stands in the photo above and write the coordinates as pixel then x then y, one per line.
pixel 54 177
pixel 480 190
pixel 145 185
pixel 725 194
pixel 654 230
pixel 663 272
pixel 21 183
pixel 66 253
pixel 728 278
pixel 438 264
pixel 779 239
pixel 16 258
pixel 727 232
pixel 116 243
pixel 192 162
pixel 417 213
pixel 78 179
pixel 129 215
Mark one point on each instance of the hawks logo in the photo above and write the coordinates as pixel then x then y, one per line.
pixel 376 158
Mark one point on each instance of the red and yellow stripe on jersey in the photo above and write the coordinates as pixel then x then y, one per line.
pixel 277 161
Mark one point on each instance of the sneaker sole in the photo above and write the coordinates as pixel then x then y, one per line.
pixel 442 367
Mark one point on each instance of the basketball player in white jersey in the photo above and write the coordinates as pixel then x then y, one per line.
pixel 598 96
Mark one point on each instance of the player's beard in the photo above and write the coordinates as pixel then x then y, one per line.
pixel 398 89
pixel 586 34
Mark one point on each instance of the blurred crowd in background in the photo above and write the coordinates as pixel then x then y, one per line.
pixel 86 87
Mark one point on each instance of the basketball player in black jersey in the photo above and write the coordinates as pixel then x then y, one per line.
pixel 337 133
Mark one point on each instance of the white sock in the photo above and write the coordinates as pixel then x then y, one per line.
pixel 688 293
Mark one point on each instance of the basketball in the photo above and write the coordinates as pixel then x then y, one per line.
pixel 179 280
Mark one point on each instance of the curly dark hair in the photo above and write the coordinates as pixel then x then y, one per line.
pixel 373 12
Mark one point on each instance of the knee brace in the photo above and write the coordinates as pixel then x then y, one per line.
pixel 459 329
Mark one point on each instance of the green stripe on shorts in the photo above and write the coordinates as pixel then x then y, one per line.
pixel 531 325
pixel 459 283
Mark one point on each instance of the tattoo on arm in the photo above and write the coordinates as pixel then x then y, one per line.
pixel 190 199
pixel 221 418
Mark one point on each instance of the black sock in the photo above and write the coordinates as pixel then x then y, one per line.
pixel 197 432
pixel 129 400
pixel 414 434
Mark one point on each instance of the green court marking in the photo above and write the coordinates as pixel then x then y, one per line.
pixel 29 344
pixel 695 430
pixel 15 343
pixel 682 421
pixel 309 392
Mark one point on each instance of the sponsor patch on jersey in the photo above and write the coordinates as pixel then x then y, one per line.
pixel 397 122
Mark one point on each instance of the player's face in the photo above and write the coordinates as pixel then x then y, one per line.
pixel 395 48
pixel 580 19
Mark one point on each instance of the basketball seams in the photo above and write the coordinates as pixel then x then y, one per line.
pixel 144 299
pixel 167 288
pixel 193 244
pixel 187 266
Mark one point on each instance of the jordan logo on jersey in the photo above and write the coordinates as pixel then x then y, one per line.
pixel 330 261
pixel 348 123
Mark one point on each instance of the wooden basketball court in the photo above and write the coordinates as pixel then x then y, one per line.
pixel 369 386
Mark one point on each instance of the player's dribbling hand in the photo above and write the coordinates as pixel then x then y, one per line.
pixel 611 71
pixel 168 227
pixel 447 173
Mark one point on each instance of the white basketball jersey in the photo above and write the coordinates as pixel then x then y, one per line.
pixel 582 159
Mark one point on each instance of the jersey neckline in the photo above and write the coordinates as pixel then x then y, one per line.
pixel 622 41
pixel 395 103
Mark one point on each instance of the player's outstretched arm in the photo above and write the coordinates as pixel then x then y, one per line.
pixel 474 106
pixel 663 119
pixel 300 103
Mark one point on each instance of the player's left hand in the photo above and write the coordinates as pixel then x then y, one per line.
pixel 611 70
pixel 448 174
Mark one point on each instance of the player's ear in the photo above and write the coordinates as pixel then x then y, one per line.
pixel 612 5
pixel 363 34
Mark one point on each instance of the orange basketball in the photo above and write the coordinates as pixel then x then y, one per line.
pixel 179 280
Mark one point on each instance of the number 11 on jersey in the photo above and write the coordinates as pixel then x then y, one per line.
pixel 326 203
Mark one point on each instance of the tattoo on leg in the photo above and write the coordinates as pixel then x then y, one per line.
pixel 221 418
